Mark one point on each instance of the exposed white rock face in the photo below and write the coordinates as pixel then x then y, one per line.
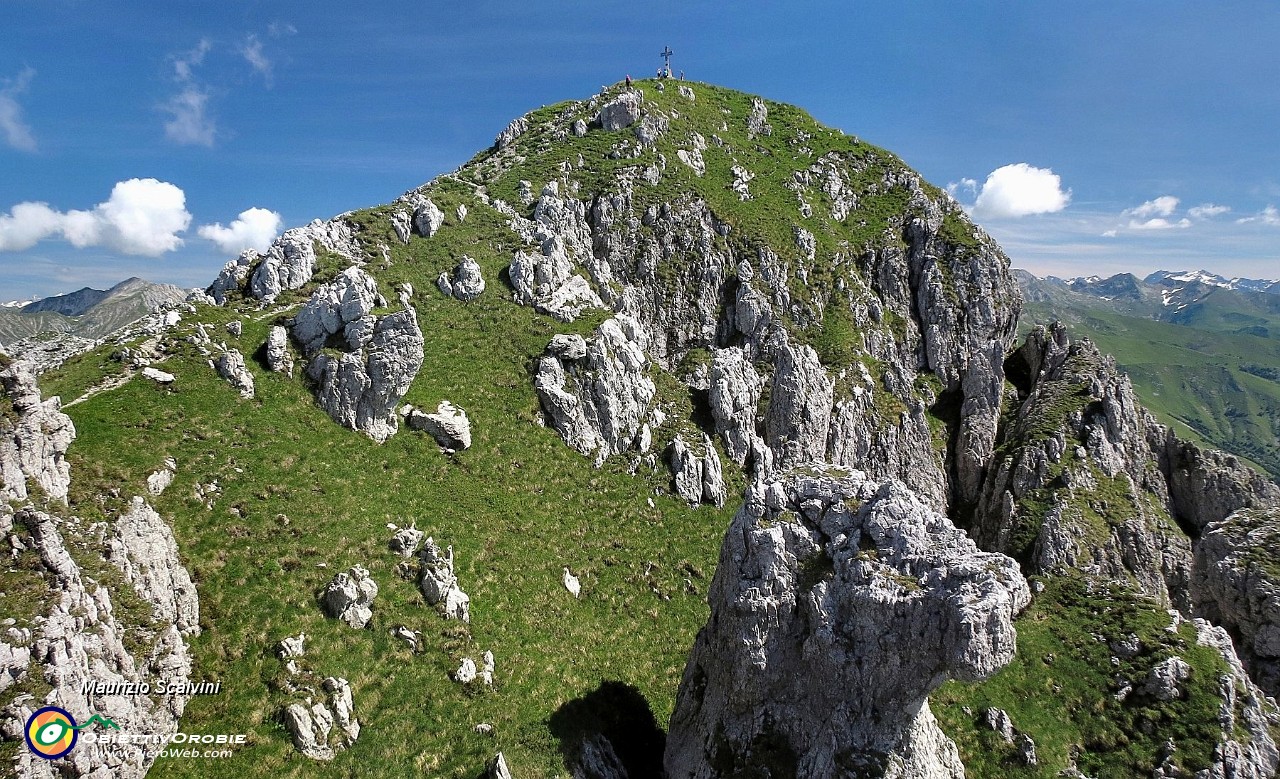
pixel 406 541
pixel 427 219
pixel 548 280
pixel 291 260
pixel 1233 585
pixel 800 404
pixel 757 120
pixel 597 402
pixel 279 358
pixel 1244 709
pixel 697 474
pixel 321 728
pixel 143 547
pixel 622 111
pixel 361 389
pixel 464 282
pixel 449 425
pixel 350 595
pixel 512 131
pixel 331 308
pixel 232 277
pixel 158 376
pixel 230 366
pixel 822 581
pixel 80 641
pixel 159 481
pixel 33 446
pixel 439 584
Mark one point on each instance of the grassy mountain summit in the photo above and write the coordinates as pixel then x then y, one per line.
pixel 686 290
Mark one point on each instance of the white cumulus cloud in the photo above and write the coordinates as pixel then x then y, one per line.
pixel 142 216
pixel 1267 216
pixel 1207 211
pixel 1020 190
pixel 1161 206
pixel 17 133
pixel 255 228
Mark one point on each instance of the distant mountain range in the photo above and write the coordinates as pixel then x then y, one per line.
pixel 86 313
pixel 1203 350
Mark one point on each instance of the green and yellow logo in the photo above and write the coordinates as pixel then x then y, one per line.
pixel 52 732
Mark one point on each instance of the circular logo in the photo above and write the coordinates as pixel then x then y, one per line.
pixel 51 732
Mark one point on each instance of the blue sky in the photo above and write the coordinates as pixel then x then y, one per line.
pixel 1089 137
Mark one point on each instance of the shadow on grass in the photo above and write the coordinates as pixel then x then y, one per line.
pixel 620 714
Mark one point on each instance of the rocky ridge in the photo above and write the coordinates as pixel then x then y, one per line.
pixel 85 638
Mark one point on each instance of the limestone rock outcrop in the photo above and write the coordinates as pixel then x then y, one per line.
pixel 822 579
pixel 439 584
pixel 80 644
pixel 359 386
pixel 349 597
pixel 448 425
pixel 288 263
pixel 142 546
pixel 622 111
pixel 1093 482
pixel 322 727
pixel 34 438
pixel 1236 584
pixel 1246 749
pixel 230 366
pixel 597 402
pixel 334 309
pixel 464 282
pixel 279 358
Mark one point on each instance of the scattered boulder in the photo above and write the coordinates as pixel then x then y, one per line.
pixel 822 579
pixel 464 282
pixel 757 123
pixel 230 366
pixel 1164 681
pixel 466 673
pixel 449 425
pixel 402 223
pixel 439 584
pixel 320 729
pixel 427 219
pixel 406 540
pixel 157 375
pixel 349 595
pixel 235 328
pixel 279 358
pixel 998 720
pixel 497 768
pixel 160 480
pixel 571 583
pixel 290 649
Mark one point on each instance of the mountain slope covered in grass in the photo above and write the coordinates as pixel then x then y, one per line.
pixel 690 295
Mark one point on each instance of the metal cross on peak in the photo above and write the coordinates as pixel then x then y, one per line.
pixel 666 57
